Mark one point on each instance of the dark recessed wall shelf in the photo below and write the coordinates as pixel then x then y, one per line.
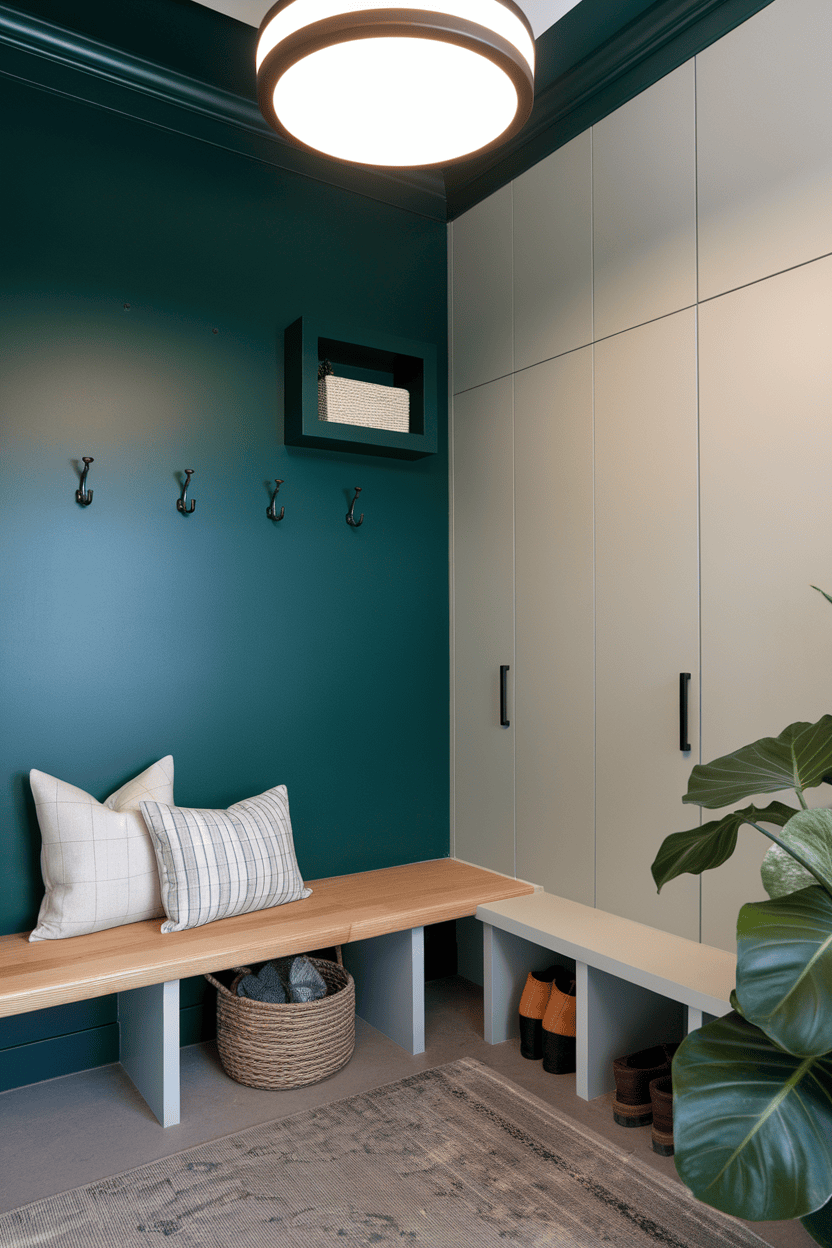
pixel 408 364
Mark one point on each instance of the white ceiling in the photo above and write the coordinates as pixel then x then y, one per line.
pixel 541 13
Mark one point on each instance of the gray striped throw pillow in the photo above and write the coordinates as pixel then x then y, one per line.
pixel 215 863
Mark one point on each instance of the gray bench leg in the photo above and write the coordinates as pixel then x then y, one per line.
pixel 389 974
pixel 698 1018
pixel 507 960
pixel 614 1018
pixel 148 1022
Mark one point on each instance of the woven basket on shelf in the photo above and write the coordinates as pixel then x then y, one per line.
pixel 350 402
pixel 265 1045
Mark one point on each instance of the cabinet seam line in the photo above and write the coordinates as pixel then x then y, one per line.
pixel 594 529
pixel 698 422
pixel 513 546
pixel 767 277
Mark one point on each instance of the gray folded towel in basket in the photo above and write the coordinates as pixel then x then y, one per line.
pixel 286 979
pixel 267 985
pixel 305 982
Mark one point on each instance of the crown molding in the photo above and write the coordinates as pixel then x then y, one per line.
pixel 589 65
pixel 70 63
pixel 656 42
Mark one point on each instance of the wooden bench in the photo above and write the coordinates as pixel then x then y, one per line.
pixel 378 917
pixel 635 985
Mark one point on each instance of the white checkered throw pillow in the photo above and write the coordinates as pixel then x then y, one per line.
pixel 98 865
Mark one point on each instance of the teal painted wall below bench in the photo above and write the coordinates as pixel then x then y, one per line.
pixel 306 652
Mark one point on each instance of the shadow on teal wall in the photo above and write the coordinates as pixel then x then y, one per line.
pixel 305 652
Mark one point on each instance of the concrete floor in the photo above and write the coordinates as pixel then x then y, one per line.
pixel 67 1132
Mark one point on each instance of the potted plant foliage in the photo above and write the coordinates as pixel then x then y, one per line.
pixel 752 1092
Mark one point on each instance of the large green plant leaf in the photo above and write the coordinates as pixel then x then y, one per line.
pixel 782 874
pixel 809 833
pixel 752 1125
pixel 702 849
pixel 819 1225
pixel 798 759
pixel 784 970
pixel 735 1005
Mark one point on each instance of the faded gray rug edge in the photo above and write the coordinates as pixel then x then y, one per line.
pixel 452 1155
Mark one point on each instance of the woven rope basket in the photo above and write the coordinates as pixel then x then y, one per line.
pixel 286 1046
pixel 350 402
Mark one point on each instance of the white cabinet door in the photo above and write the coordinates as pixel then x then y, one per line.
pixel 553 254
pixel 482 298
pixel 764 146
pixel 644 206
pixel 483 595
pixel 647 613
pixel 554 704
pixel 766 519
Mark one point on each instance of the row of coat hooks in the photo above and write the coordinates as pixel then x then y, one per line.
pixel 84 496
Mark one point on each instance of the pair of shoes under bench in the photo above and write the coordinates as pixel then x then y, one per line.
pixel 547 1019
pixel 632 1105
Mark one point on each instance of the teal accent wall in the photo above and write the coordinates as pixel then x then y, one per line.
pixel 306 652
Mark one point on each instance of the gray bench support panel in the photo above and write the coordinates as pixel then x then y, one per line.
pixel 615 1018
pixel 389 974
pixel 698 1018
pixel 507 960
pixel 469 949
pixel 148 1020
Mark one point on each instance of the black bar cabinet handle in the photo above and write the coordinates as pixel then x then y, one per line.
pixel 684 682
pixel 504 722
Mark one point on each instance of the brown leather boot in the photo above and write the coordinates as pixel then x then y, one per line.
pixel 559 1025
pixel 533 1004
pixel 661 1097
pixel 631 1106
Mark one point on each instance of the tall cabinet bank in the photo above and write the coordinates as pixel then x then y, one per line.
pixel 642 457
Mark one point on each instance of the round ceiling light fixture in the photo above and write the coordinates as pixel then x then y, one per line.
pixel 417 84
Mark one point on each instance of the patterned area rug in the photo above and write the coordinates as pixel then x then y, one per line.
pixel 455 1157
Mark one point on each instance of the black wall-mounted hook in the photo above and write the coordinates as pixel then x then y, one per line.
pixel 82 494
pixel 271 510
pixel 181 503
pixel 350 517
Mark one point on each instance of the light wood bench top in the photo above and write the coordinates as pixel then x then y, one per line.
pixel 683 970
pixel 341 909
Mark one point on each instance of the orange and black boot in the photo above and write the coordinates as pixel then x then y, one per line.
pixel 559 1025
pixel 533 1005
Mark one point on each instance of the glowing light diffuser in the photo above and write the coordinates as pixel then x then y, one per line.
pixel 419 84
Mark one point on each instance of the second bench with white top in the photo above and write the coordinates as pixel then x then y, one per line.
pixel 635 985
